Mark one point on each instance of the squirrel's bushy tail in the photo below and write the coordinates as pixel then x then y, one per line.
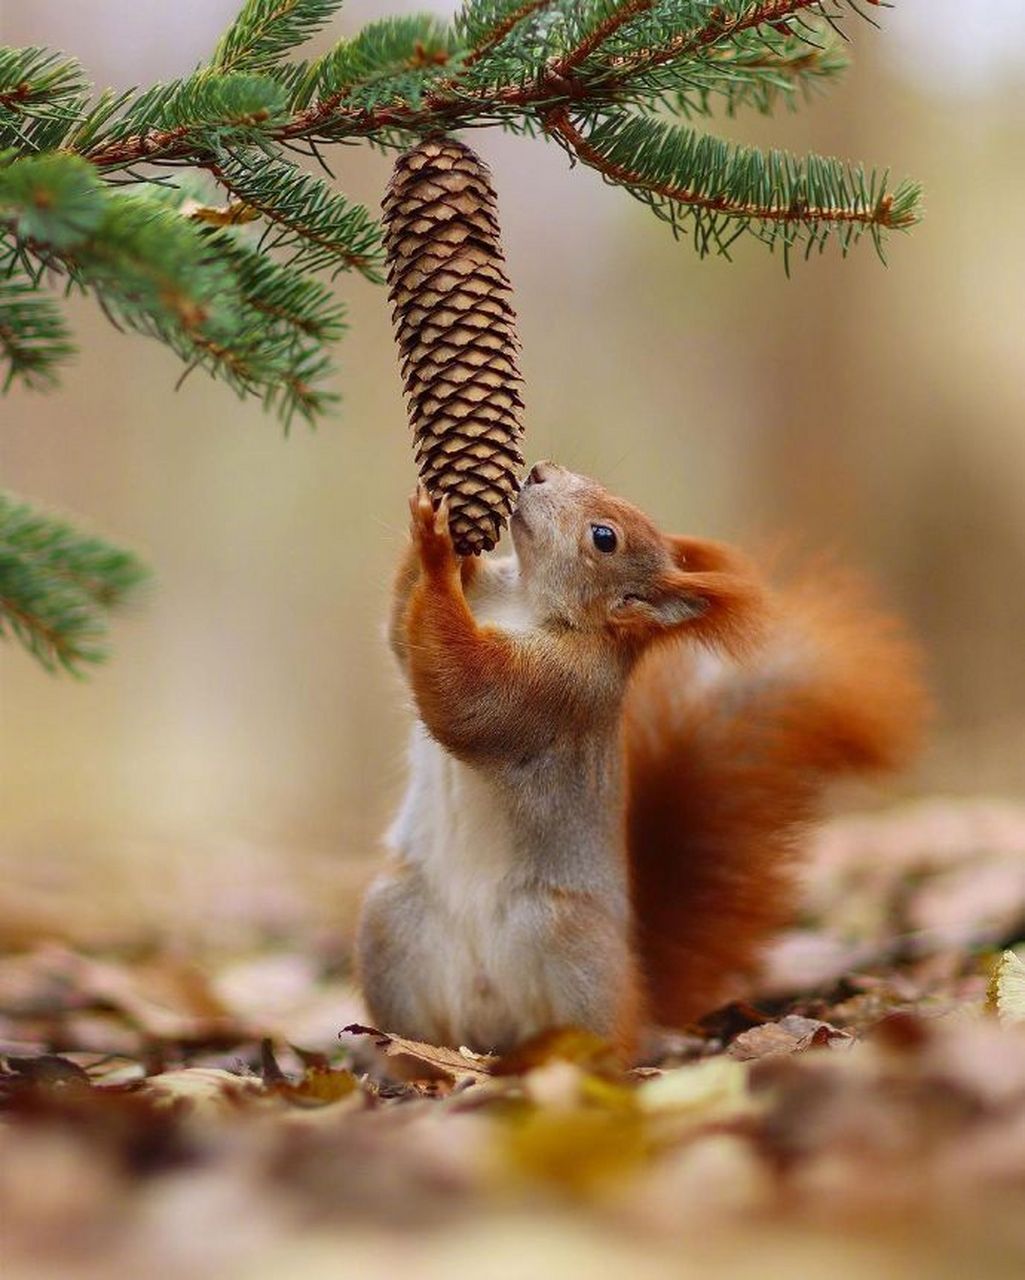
pixel 726 763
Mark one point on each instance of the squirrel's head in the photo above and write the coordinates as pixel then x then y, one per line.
pixel 596 563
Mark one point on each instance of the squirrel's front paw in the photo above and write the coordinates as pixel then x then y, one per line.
pixel 430 532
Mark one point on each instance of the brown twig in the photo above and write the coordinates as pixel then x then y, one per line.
pixel 568 63
pixel 16 97
pixel 714 30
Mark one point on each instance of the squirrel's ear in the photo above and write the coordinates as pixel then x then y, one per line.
pixel 726 610
pixel 666 603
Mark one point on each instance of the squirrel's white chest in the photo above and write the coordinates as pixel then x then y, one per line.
pixel 453 823
pixel 477 971
pixel 453 828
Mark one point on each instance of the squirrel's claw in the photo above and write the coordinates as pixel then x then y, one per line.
pixel 430 530
pixel 420 502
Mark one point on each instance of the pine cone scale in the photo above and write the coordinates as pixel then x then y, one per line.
pixel 421 368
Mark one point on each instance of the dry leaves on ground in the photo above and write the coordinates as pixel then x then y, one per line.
pixel 863 1116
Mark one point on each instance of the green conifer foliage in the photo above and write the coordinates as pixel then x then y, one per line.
pixel 57 585
pixel 98 192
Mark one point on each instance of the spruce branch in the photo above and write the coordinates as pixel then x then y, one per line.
pixel 660 33
pixel 754 69
pixel 322 230
pixel 285 320
pixel 56 200
pixel 596 26
pixel 266 31
pixel 189 117
pixel 38 86
pixel 149 265
pixel 300 303
pixel 34 340
pixel 592 75
pixel 484 26
pixel 57 587
pixel 263 361
pixel 160 273
pixel 408 74
pixel 122 195
pixel 89 127
pixel 724 191
pixel 393 59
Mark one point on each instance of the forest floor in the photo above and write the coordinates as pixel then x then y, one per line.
pixel 184 1099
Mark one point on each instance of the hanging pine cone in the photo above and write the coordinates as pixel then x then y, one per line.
pixel 456 330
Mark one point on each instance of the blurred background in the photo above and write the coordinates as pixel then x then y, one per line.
pixel 248 736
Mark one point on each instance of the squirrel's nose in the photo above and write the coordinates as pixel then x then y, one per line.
pixel 539 473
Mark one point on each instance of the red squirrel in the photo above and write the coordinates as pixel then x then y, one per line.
pixel 621 737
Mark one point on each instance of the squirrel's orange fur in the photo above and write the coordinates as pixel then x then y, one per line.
pixel 725 772
pixel 622 737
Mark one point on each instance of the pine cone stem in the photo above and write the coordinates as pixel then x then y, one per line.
pixel 456 331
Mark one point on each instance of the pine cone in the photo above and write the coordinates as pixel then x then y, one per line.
pixel 456 331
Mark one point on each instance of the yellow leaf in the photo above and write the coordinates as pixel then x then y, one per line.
pixel 231 215
pixel 561 1044
pixel 577 1150
pixel 712 1087
pixel 1005 994
pixel 319 1087
pixel 565 1085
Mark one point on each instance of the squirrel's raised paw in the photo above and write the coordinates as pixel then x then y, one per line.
pixel 430 531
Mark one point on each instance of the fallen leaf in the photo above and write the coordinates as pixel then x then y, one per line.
pixel 414 1060
pixel 555 1085
pixel 712 1088
pixel 792 1034
pixel 975 904
pixel 44 1068
pixel 270 1072
pixel 704 1164
pixel 560 1044
pixel 320 1084
pixel 577 1150
pixel 1006 992
pixel 728 1021
pixel 229 215
pixel 311 1057
pixel 165 999
pixel 201 1087
pixel 715 1175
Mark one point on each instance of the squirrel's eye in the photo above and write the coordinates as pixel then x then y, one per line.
pixel 603 538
